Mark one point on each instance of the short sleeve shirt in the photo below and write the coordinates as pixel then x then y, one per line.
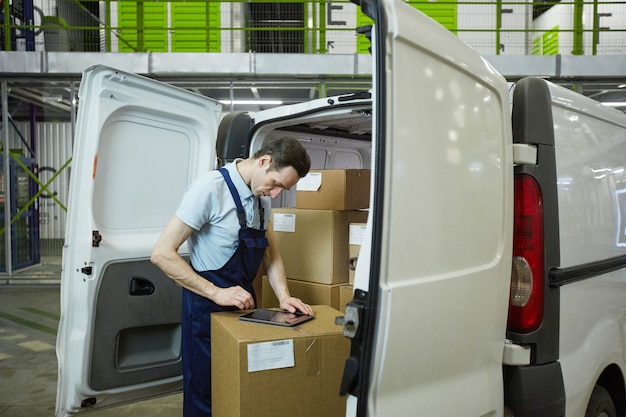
pixel 208 208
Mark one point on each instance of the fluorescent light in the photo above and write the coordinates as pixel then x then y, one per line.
pixel 52 99
pixel 259 102
pixel 613 103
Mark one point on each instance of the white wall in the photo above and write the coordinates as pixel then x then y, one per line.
pixel 610 43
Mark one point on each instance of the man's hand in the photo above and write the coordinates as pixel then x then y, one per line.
pixel 293 304
pixel 233 296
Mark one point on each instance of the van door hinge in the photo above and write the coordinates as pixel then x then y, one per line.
pixel 515 355
pixel 96 238
pixel 524 154
pixel 87 270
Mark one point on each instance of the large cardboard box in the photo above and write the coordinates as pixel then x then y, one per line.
pixel 334 189
pixel 309 292
pixel 314 243
pixel 263 370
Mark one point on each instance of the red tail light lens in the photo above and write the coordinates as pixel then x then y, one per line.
pixel 527 272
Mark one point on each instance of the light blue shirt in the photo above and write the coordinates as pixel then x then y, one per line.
pixel 208 208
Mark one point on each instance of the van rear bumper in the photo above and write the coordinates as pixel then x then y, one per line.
pixel 535 391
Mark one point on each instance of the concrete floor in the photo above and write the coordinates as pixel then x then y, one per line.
pixel 29 316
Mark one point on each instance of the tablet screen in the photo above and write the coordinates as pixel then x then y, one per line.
pixel 275 317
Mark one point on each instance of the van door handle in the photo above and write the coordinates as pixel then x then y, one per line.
pixel 350 375
pixel 140 286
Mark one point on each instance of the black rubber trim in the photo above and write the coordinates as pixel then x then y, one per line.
pixel 535 391
pixel 563 276
pixel 375 10
pixel 532 112
pixel 532 123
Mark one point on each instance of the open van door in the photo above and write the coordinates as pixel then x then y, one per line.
pixel 428 319
pixel 138 143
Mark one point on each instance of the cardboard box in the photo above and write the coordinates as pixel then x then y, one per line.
pixel 310 292
pixel 314 243
pixel 334 189
pixel 346 294
pixel 301 379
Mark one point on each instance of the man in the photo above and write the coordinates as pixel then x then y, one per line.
pixel 223 215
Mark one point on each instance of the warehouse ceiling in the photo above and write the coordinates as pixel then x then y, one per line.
pixel 51 100
pixel 43 86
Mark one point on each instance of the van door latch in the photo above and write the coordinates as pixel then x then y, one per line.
pixel 350 321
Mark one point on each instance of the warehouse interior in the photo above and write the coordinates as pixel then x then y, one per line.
pixel 48 44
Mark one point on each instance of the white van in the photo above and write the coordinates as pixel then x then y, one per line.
pixel 491 282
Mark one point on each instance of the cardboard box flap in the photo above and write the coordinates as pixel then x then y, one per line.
pixel 322 324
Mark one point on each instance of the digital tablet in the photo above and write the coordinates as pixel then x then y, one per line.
pixel 276 317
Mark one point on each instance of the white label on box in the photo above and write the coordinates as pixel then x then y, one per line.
pixel 357 233
pixel 284 222
pixel 310 182
pixel 270 355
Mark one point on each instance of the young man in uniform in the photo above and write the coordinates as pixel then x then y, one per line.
pixel 223 216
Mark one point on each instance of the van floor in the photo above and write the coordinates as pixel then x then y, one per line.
pixel 29 317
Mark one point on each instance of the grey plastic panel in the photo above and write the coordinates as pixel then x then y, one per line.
pixel 136 337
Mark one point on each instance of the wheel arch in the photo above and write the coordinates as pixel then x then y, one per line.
pixel 612 379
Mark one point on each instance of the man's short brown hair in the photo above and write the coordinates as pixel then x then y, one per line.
pixel 286 151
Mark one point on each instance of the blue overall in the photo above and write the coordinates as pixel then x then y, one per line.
pixel 241 269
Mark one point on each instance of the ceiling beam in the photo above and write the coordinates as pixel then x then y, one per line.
pixel 265 65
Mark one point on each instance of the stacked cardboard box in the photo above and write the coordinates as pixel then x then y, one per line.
pixel 314 237
pixel 314 243
pixel 334 189
pixel 309 292
pixel 264 370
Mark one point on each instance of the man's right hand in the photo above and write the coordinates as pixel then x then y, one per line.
pixel 234 296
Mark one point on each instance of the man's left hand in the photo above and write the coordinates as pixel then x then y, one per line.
pixel 293 304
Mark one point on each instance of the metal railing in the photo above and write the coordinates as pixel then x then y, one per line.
pixel 576 27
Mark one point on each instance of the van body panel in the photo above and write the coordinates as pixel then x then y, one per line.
pixel 138 144
pixel 580 343
pixel 590 153
pixel 447 112
pixel 592 336
pixel 592 201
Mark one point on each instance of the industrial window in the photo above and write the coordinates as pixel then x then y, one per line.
pixel 274 21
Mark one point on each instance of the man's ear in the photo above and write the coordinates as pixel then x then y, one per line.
pixel 265 161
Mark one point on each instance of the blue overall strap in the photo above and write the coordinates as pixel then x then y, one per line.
pixel 261 213
pixel 233 191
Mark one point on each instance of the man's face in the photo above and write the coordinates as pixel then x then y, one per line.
pixel 269 182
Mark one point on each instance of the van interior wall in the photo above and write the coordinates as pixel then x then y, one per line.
pixel 326 152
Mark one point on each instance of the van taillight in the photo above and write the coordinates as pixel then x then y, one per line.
pixel 527 272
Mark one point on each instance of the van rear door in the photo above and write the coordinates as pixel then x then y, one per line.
pixel 428 319
pixel 138 144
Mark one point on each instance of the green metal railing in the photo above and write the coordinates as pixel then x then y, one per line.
pixel 313 26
